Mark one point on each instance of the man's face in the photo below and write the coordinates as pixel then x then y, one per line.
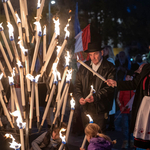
pixel 96 56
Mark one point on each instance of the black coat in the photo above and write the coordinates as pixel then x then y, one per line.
pixel 103 98
pixel 135 84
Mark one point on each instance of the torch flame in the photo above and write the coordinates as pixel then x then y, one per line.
pixel 18 19
pixel 54 68
pixel 1 26
pixel 11 79
pixel 59 76
pixel 38 4
pixel 57 29
pixel 44 30
pixel 67 58
pixel 58 49
pixel 13 144
pixel 72 103
pixel 19 63
pixel 90 118
pixel 29 76
pixel 37 78
pixel 39 30
pixel 13 73
pixel 60 134
pixel 20 124
pixel 92 90
pixel 11 30
pixel 67 32
pixel 69 75
pixel 22 48
pixel 1 75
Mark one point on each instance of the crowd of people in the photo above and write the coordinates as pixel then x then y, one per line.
pixel 124 82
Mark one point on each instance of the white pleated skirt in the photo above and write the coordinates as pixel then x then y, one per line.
pixel 142 125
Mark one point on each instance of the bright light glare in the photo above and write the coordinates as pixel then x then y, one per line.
pixel 53 2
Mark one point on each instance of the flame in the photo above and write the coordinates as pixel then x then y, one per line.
pixel 1 27
pixel 11 30
pixel 58 49
pixel 44 30
pixel 69 75
pixel 67 32
pixel 54 68
pixel 37 78
pixel 14 144
pixel 18 19
pixel 92 90
pixel 22 48
pixel 13 73
pixel 29 76
pixel 70 11
pixel 20 124
pixel 11 79
pixel 59 76
pixel 72 103
pixel 39 30
pixel 60 134
pixel 19 63
pixel 57 29
pixel 38 4
pixel 67 58
pixel 1 75
pixel 90 118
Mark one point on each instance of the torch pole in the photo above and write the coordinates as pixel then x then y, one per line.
pixel 37 104
pixel 48 105
pixel 6 11
pixel 6 111
pixel 7 45
pixel 31 104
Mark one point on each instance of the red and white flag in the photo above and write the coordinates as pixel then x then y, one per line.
pixel 81 45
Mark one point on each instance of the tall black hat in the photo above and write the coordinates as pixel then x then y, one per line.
pixel 93 47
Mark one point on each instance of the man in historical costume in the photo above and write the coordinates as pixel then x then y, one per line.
pixel 100 103
pixel 140 120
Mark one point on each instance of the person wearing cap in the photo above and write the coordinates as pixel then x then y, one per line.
pixel 141 84
pixel 100 103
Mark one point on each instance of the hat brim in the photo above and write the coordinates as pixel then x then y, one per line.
pixel 92 50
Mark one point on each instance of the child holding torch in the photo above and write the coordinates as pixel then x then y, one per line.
pixel 96 139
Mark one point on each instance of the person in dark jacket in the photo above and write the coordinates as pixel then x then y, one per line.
pixel 99 104
pixel 135 84
pixel 97 140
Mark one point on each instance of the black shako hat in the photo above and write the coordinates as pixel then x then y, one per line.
pixel 93 47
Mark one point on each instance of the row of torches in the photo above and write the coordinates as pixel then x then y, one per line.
pixel 54 74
